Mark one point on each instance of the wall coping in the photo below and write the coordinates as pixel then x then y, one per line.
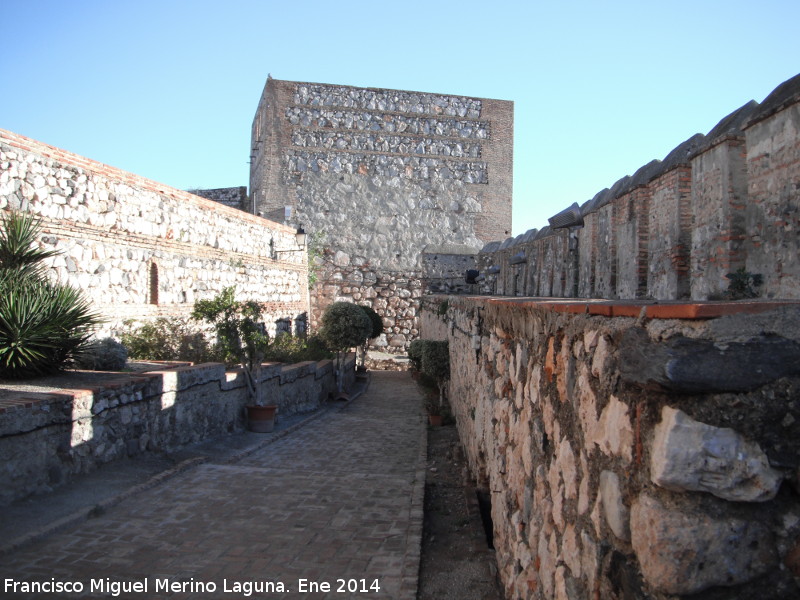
pixel 26 144
pixel 32 392
pixel 650 309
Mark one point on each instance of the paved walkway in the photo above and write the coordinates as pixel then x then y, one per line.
pixel 337 501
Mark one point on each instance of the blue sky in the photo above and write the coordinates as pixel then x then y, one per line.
pixel 167 89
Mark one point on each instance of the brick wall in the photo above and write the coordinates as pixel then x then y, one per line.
pixel 718 202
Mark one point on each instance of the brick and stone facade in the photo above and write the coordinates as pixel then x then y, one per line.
pixel 398 183
pixel 139 249
pixel 718 202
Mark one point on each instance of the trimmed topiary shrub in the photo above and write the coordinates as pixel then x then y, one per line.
pixel 344 326
pixel 415 353
pixel 435 363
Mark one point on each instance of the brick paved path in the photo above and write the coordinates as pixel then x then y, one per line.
pixel 339 499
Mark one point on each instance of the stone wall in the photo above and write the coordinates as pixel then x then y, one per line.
pixel 718 202
pixel 652 454
pixel 45 438
pixel 389 177
pixel 235 197
pixel 139 249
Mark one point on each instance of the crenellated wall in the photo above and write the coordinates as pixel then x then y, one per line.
pixel 139 249
pixel 630 450
pixel 718 202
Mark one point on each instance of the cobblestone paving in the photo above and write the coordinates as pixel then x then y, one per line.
pixel 339 499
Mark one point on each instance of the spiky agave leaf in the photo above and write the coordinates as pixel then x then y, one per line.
pixel 43 325
pixel 18 250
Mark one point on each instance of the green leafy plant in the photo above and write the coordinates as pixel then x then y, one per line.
pixel 743 284
pixel 415 353
pixel 106 354
pixel 287 348
pixel 344 326
pixel 168 339
pixel 241 336
pixel 44 325
pixel 435 364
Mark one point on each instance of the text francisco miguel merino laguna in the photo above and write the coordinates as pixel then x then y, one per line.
pixel 144 586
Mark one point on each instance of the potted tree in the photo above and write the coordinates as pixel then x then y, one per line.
pixel 242 340
pixel 377 329
pixel 344 326
pixel 435 363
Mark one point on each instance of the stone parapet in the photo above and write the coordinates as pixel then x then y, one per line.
pixel 48 436
pixel 631 449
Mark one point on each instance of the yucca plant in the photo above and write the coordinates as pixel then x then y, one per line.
pixel 18 250
pixel 44 325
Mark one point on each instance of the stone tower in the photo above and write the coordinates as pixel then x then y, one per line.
pixel 402 187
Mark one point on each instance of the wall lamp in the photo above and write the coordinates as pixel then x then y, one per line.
pixel 299 236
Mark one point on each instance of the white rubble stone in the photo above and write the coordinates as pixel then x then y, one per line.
pixel 691 456
pixel 616 513
pixel 685 552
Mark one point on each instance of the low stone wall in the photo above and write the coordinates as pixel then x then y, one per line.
pixel 632 450
pixel 45 438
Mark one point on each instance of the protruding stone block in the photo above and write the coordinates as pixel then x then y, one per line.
pixel 689 455
pixel 682 552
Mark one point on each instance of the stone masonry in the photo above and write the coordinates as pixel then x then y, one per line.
pixel 385 179
pixel 645 455
pixel 139 249
pixel 49 436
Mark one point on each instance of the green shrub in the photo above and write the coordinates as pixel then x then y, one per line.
pixel 376 320
pixel 344 326
pixel 44 325
pixel 377 329
pixel 103 355
pixel 168 339
pixel 290 349
pixel 415 353
pixel 743 284
pixel 435 362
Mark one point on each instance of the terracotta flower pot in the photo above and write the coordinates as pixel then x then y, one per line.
pixel 435 420
pixel 261 419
